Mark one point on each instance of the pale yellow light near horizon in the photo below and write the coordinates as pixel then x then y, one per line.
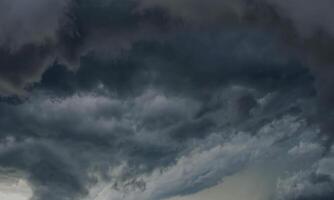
pixel 250 184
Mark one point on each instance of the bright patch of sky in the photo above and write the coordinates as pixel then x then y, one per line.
pixel 14 189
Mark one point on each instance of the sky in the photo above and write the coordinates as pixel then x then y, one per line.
pixel 166 100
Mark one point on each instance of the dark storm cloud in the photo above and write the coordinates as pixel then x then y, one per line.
pixel 162 98
pixel 22 67
pixel 313 22
pixel 307 16
pixel 27 31
pixel 66 145
pixel 195 11
pixel 305 26
pixel 32 22
pixel 186 62
pixel 49 147
pixel 36 33
pixel 150 129
pixel 75 28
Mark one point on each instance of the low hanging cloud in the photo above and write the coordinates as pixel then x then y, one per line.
pixel 28 30
pixel 195 11
pixel 38 33
pixel 34 22
pixel 307 16
pixel 229 155
pixel 150 100
pixel 76 28
pixel 72 147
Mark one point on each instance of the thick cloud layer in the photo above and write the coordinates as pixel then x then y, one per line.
pixel 150 100
pixel 109 27
pixel 307 16
pixel 26 22
pixel 66 145
pixel 37 33
pixel 28 30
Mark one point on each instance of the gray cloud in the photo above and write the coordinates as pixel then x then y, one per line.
pixel 34 22
pixel 36 34
pixel 308 16
pixel 154 99
pixel 232 154
pixel 87 137
pixel 76 28
pixel 198 11
pixel 28 30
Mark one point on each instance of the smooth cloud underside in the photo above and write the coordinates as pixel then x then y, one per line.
pixel 162 99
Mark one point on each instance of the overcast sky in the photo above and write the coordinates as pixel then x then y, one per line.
pixel 166 99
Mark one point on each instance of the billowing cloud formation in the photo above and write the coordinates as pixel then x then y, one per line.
pixel 150 100
pixel 26 22
pixel 235 153
pixel 30 43
pixel 37 33
pixel 66 146
pixel 308 17
pixel 28 28
pixel 199 11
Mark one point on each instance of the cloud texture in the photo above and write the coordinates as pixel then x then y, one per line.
pixel 150 100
